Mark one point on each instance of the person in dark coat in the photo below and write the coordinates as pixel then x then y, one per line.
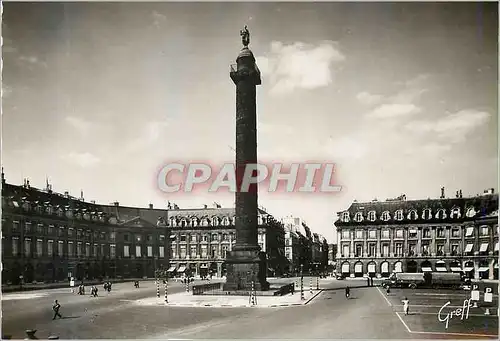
pixel 56 308
pixel 347 292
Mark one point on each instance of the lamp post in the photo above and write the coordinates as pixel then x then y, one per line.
pixel 302 282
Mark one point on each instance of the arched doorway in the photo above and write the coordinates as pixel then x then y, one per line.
pixel 371 270
pixel 358 269
pixel 346 269
pixel 384 269
pixel 455 266
pixel 426 266
pixel 441 266
pixel 411 266
pixel 398 266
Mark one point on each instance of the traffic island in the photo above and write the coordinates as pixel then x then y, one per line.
pixel 186 299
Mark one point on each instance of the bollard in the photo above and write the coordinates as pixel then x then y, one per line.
pixel 157 288
pixel 30 333
pixel 317 283
pixel 187 284
pixel 166 291
pixel 311 286
pixel 302 288
pixel 253 299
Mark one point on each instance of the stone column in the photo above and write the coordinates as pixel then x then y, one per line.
pixel 353 235
pixel 378 247
pixel 447 246
pixel 391 245
pixel 365 243
pixel 339 244
pixel 418 251
pixel 433 241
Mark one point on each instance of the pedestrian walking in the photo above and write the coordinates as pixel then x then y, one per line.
pixel 56 308
pixel 406 305
pixel 388 290
pixel 367 281
pixel 347 292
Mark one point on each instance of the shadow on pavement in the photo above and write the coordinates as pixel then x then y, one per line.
pixel 69 317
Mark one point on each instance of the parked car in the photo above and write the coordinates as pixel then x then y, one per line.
pixel 339 276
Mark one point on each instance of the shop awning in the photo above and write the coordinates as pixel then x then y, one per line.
pixel 468 248
pixel 455 269
pixel 469 231
pixel 426 269
pixel 483 247
pixel 371 268
pixel 484 269
pixel 441 269
pixel 181 269
pixel 171 269
pixel 468 268
pixel 496 247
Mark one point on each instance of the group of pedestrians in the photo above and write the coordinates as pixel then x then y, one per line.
pixel 93 291
pixel 107 286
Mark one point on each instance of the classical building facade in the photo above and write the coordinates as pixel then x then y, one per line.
pixel 201 238
pixel 47 236
pixel 453 235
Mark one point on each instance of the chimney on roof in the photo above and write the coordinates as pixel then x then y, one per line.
pixel 460 193
pixel 442 193
pixel 205 206
pixel 116 203
pixel 3 176
pixel 150 206
pixel 66 194
pixel 492 191
pixel 27 183
pixel 81 195
pixel 456 195
pixel 92 201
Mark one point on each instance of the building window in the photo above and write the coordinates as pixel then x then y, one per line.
pixel 358 217
pixel 27 247
pixel 27 228
pixel 149 238
pixel 15 226
pixel 95 250
pixel 471 212
pixel 398 215
pixel 71 232
pixel 385 234
pixel 371 250
pixel 411 250
pixel 39 229
pixel 412 215
pixel 455 232
pixel 426 233
pixel 138 238
pixel 138 250
pixel 173 252
pixel 399 249
pixel 441 214
pixel 71 251
pixel 50 248
pixel 125 237
pixel 193 251
pixel 204 251
pixel 162 251
pixel 469 231
pixel 425 250
pixel 204 238
pixel 87 250
pixel 183 251
pixel 412 233
pixel 484 230
pixel 372 216
pixel 61 231
pixel 440 250
pixel 150 251
pixel 427 214
pixel 386 216
pixel 161 238
pixel 112 251
pixel 79 251
pixel 214 251
pixel 454 250
pixel 183 238
pixel 345 250
pixel 385 250
pixel 345 217
pixel 126 250
pixel 359 234
pixel 39 247
pixel 60 248
pixel 359 250
pixel 399 233
pixel 225 237
pixel 193 238
pixel 455 213
pixel 215 237
pixel 15 246
pixel 224 251
pixel 345 235
pixel 103 253
pixel 372 234
pixel 440 232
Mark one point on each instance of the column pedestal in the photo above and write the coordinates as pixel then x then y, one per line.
pixel 243 267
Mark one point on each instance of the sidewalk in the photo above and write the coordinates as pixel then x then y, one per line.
pixel 185 299
pixel 65 284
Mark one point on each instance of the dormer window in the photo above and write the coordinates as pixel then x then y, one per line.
pixel 358 217
pixel 372 216
pixel 225 221
pixel 26 206
pixel 204 222
pixel 215 221
pixel 345 217
pixel 471 212
pixel 427 214
pixel 233 221
pixel 60 212
pixel 49 209
pixel 173 222
pixel 194 222
pixel 455 213
pixel 412 215
pixel 441 214
pixel 386 216
pixel 398 215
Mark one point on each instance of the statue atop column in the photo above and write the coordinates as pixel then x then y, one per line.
pixel 245 36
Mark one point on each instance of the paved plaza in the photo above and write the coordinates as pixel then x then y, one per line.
pixel 369 313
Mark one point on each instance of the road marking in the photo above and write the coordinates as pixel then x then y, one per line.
pixel 403 322
pixel 442 333
pixel 387 300
pixel 474 315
